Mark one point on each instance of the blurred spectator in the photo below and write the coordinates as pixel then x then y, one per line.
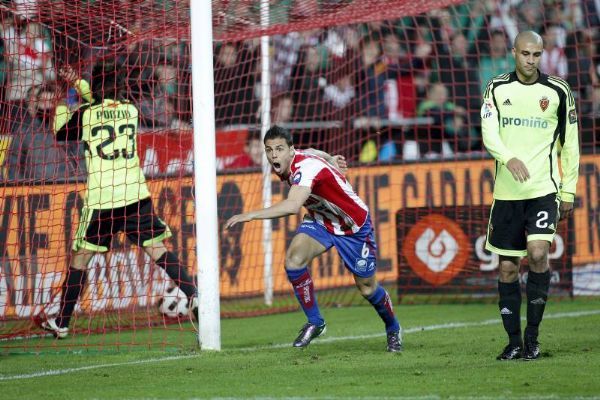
pixel 371 78
pixel 230 15
pixel 156 111
pixel 283 110
pixel 573 16
pixel 590 123
pixel 591 10
pixel 27 9
pixel 340 93
pixel 498 61
pixel 167 83
pixel 504 18
pixel 299 10
pixel 235 102
pixel 33 154
pixel 308 84
pixel 529 15
pixel 458 73
pixel 553 18
pixel 29 57
pixel 554 60
pixel 582 76
pixel 235 70
pixel 286 52
pixel 449 132
pixel 401 67
pixel 252 155
pixel 473 19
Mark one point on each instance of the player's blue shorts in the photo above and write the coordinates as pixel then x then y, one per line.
pixel 358 250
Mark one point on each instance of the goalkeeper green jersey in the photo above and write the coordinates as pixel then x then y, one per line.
pixel 532 122
pixel 109 133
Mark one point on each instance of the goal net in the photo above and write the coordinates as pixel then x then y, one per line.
pixel 394 87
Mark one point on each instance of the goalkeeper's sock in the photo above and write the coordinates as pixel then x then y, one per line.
pixel 380 300
pixel 71 290
pixel 305 293
pixel 537 288
pixel 170 263
pixel 510 310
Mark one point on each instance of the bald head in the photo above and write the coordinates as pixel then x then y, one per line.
pixel 528 37
pixel 527 50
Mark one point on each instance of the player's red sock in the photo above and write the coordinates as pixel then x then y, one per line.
pixel 305 293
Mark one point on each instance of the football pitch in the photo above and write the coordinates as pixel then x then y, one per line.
pixel 449 352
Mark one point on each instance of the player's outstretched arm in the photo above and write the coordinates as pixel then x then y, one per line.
pixel 338 160
pixel 62 113
pixel 290 206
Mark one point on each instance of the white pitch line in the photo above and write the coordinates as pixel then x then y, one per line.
pixel 425 397
pixel 450 325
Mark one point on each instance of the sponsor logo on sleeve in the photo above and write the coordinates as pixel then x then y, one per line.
pixel 487 110
pixel 297 178
pixel 572 116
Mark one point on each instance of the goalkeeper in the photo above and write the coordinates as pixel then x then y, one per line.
pixel 336 217
pixel 117 198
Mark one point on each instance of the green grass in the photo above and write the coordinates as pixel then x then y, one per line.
pixel 257 361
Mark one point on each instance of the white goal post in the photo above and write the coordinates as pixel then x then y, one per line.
pixel 205 176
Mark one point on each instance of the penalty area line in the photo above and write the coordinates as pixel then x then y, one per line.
pixel 425 328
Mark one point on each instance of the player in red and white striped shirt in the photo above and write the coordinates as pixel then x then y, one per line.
pixel 336 217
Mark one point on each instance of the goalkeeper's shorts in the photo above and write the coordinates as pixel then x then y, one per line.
pixel 138 220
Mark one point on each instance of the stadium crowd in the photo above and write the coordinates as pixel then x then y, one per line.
pixel 405 89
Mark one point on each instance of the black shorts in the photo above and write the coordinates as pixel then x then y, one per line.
pixel 138 221
pixel 513 223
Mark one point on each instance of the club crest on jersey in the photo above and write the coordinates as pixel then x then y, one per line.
pixel 544 103
pixel 297 177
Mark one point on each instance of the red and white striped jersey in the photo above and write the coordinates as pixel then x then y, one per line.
pixel 332 202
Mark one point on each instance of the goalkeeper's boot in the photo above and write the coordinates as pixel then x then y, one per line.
pixel 51 326
pixel 511 352
pixel 531 351
pixel 308 333
pixel 394 342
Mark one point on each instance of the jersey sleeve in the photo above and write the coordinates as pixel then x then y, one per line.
pixel 490 127
pixel 62 114
pixel 84 89
pixel 569 155
pixel 306 174
pixel 68 126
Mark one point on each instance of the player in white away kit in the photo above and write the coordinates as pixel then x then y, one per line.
pixel 336 217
